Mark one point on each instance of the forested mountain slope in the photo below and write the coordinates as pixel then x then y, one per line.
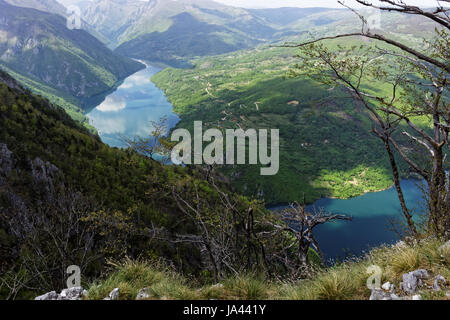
pixel 46 56
pixel 326 145
pixel 56 176
pixel 174 31
pixel 51 6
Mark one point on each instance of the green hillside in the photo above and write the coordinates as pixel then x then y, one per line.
pixel 46 159
pixel 326 145
pixel 321 129
pixel 59 63
pixel 186 37
pixel 172 32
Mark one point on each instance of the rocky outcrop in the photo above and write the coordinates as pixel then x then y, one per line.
pixel 413 280
pixel 437 281
pixel 75 293
pixel 49 296
pixel 113 295
pixel 143 294
pixel 6 163
pixel 381 294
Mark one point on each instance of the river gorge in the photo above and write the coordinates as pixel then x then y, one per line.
pixel 128 111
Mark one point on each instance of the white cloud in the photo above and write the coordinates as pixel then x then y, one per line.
pixel 112 104
pixel 135 80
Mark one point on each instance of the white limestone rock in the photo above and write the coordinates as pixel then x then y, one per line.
pixel 114 295
pixel 413 280
pixel 143 294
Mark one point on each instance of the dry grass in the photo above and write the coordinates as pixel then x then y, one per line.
pixel 341 282
pixel 405 260
pixel 131 276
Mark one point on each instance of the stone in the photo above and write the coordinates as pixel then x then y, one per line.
pixel 48 296
pixel 413 280
pixel 379 294
pixel 386 286
pixel 114 295
pixel 143 294
pixel 75 293
pixel 392 288
pixel 417 297
pixel 436 286
pixel 400 244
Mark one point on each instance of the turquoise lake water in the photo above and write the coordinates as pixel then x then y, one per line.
pixel 128 111
pixel 370 226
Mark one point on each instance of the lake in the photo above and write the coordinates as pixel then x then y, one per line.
pixel 128 110
pixel 370 226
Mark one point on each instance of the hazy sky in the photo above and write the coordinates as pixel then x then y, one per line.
pixel 308 3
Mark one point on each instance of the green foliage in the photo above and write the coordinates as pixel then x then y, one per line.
pixel 68 67
pixel 186 37
pixel 326 147
pixel 132 193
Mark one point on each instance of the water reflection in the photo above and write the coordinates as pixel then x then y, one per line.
pixel 129 110
pixel 112 103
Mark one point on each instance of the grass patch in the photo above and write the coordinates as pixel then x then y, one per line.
pixel 346 281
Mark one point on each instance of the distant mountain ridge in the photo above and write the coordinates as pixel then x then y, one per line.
pixel 173 31
pixel 38 46
pixel 186 37
pixel 51 6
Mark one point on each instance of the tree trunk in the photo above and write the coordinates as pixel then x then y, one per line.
pixel 408 217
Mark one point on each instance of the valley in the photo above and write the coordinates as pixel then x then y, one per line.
pixel 127 112
pixel 359 101
pixel 320 128
pixel 66 66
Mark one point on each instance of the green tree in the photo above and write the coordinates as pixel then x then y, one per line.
pixel 414 91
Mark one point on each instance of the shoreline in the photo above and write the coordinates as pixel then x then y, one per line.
pixel 270 207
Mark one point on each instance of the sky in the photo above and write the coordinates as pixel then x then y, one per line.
pixel 307 3
pixel 292 3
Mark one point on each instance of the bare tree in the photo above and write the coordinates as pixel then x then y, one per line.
pixel 235 239
pixel 301 223
pixel 12 283
pixel 56 227
pixel 225 232
pixel 418 80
